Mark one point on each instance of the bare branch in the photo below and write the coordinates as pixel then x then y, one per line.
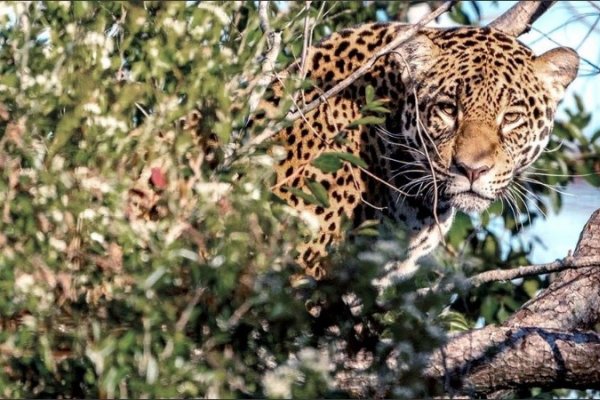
pixel 263 16
pixel 307 39
pixel 187 313
pixel 529 270
pixel 496 275
pixel 520 17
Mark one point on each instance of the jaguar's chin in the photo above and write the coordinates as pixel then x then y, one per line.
pixel 470 201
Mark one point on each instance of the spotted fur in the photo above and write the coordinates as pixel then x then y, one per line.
pixel 471 107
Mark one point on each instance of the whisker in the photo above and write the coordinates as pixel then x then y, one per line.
pixel 532 194
pixel 406 146
pixel 523 201
pixel 509 202
pixel 537 182
pixel 415 162
pixel 414 183
pixel 561 175
pixel 405 171
pixel 562 141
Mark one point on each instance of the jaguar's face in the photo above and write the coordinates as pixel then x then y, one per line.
pixel 486 109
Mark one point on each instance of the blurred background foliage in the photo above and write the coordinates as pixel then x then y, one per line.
pixel 143 255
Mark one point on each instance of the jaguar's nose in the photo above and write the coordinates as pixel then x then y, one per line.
pixel 471 172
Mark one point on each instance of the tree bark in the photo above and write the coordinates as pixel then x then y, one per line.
pixel 541 344
pixel 495 358
pixel 518 19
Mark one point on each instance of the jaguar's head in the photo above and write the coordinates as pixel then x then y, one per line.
pixel 486 107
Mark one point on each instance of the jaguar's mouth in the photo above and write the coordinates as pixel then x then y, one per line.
pixel 470 201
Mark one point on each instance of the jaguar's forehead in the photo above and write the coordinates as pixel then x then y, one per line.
pixel 484 64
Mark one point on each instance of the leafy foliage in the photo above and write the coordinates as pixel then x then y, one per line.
pixel 142 255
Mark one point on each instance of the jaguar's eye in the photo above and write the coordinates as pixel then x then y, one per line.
pixel 511 117
pixel 448 109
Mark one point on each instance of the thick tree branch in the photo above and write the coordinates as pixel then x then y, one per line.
pixel 519 18
pixel 576 291
pixel 524 351
pixel 495 358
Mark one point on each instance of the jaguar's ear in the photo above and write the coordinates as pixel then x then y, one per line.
pixel 420 53
pixel 557 68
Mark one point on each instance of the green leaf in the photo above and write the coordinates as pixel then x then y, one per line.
pixel 502 314
pixel 531 287
pixel 376 108
pixel 455 321
pixel 488 308
pixel 368 120
pixel 595 136
pixel 370 232
pixel 65 129
pixel 368 223
pixel 369 94
pixel 303 195
pixel 327 162
pixel 579 103
pixel 352 159
pixel 319 192
pixel 460 230
pixel 332 161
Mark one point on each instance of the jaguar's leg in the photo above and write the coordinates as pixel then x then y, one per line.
pixel 424 236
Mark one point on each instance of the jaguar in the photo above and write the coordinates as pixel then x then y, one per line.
pixel 470 108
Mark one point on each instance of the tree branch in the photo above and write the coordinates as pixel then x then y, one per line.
pixel 493 358
pixel 495 275
pixel 519 18
pixel 522 357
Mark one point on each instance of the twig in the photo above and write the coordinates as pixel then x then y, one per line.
pixel 495 275
pixel 307 39
pixel 585 60
pixel 268 63
pixel 343 84
pixel 568 262
pixel 263 16
pixel 187 313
